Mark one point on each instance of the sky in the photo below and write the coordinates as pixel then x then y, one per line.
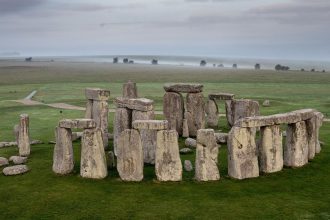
pixel 285 29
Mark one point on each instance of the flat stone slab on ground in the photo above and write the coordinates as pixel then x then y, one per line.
pixel 15 170
pixel 18 160
pixel 140 104
pixel 150 124
pixel 183 87
pixel 77 123
pixel 97 94
pixel 221 96
pixel 186 151
pixel 3 161
pixel 188 166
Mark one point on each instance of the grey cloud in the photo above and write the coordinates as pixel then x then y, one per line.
pixel 9 6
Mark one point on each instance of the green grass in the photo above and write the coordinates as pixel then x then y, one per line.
pixel 40 194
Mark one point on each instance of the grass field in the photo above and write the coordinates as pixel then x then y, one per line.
pixel 290 194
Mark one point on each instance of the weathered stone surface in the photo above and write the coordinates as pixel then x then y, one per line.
pixel 221 96
pixel 89 109
pixel 195 113
pixel 148 137
pixel 237 109
pixel 206 164
pixel 319 122
pixel 190 142
pixel 130 90
pixel 270 149
pixel 16 132
pixel 188 166
pixel 266 103
pixel 3 161
pixel 7 144
pixel 168 163
pixel 76 136
pixel 212 113
pixel 97 94
pixel 111 162
pixel 100 116
pixel 18 160
pixel 296 147
pixel 15 170
pixel 34 142
pixel 242 153
pixel 173 108
pixel 185 129
pixel 150 124
pixel 140 104
pixel 63 161
pixel 311 137
pixel 221 138
pixel 186 150
pixel 122 121
pixel 130 156
pixel 93 162
pixel 82 123
pixel 183 87
pixel 23 136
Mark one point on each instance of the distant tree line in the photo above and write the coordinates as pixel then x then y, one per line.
pixel 279 67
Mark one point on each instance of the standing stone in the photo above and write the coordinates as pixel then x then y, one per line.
pixel 296 149
pixel 23 136
pixel 212 113
pixel 89 109
pixel 173 108
pixel 93 162
pixel 319 121
pixel 229 112
pixel 311 137
pixel 190 142
pixel 63 162
pixel 122 121
pixel 242 153
pixel 16 132
pixel 188 166
pixel 168 163
pixel 206 164
pixel 195 113
pixel 111 162
pixel 185 129
pixel 270 149
pixel 130 90
pixel 148 137
pixel 130 156
pixel 237 109
pixel 100 115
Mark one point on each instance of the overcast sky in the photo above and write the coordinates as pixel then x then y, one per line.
pixel 290 29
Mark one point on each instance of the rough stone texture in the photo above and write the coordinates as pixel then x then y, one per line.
pixel 150 124
pixel 212 113
pixel 130 90
pixel 97 94
pixel 89 109
pixel 186 150
pixel 190 142
pixel 3 161
pixel 311 137
pixel 237 109
pixel 122 121
pixel 221 138
pixel 206 164
pixel 15 170
pixel 266 103
pixel 221 96
pixel 16 132
pixel 93 162
pixel 140 104
pixel 130 156
pixel 242 153
pixel 111 162
pixel 185 129
pixel 296 147
pixel 76 136
pixel 319 121
pixel 7 144
pixel 100 114
pixel 148 137
pixel 18 160
pixel 270 149
pixel 82 123
pixel 168 163
pixel 63 161
pixel 23 136
pixel 188 166
pixel 195 113
pixel 173 108
pixel 183 87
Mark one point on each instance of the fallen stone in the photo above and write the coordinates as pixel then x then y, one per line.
pixel 35 142
pixel 7 144
pixel 130 90
pixel 24 147
pixel 173 108
pixel 168 165
pixel 3 161
pixel 212 112
pixel 18 160
pixel 51 142
pixel 266 103
pixel 195 113
pixel 122 121
pixel 186 151
pixel 77 123
pixel 237 109
pixel 206 164
pixel 188 166
pixel 190 142
pixel 221 96
pixel 130 156
pixel 97 94
pixel 15 170
pixel 221 138
pixel 183 87
pixel 150 124
pixel 140 104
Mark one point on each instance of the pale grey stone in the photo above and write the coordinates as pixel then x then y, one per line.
pixel 221 96
pixel 89 109
pixel 186 150
pixel 185 129
pixel 15 170
pixel 122 121
pixel 212 113
pixel 100 115
pixel 3 161
pixel 221 138
pixel 18 160
pixel 111 162
pixel 195 113
pixel 23 136
pixel 76 136
pixel 190 142
pixel 150 124
pixel 237 109
pixel 130 90
pixel 319 121
pixel 311 137
pixel 82 123
pixel 140 104
pixel 16 132
pixel 188 166
pixel 266 103
pixel 173 109
pixel 183 87
pixel 97 94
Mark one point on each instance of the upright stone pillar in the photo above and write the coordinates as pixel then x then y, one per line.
pixel 206 164
pixel 89 109
pixel 195 113
pixel 168 163
pixel 311 137
pixel 242 153
pixel 173 108
pixel 319 122
pixel 93 162
pixel 122 121
pixel 237 109
pixel 212 113
pixel 270 149
pixel 63 162
pixel 23 136
pixel 130 90
pixel 296 148
pixel 130 156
